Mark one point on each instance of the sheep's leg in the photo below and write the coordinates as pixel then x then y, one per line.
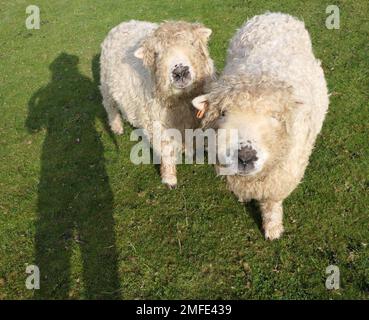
pixel 169 175
pixel 115 119
pixel 168 169
pixel 272 214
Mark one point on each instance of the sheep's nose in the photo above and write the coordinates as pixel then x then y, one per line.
pixel 246 155
pixel 180 72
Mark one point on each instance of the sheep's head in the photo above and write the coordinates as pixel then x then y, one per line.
pixel 258 113
pixel 178 57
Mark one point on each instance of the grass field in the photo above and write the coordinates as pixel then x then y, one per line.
pixel 98 226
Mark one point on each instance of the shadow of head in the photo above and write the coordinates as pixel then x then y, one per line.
pixel 64 60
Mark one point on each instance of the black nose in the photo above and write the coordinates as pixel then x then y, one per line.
pixel 180 72
pixel 247 155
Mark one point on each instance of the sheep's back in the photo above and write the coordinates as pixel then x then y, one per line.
pixel 122 74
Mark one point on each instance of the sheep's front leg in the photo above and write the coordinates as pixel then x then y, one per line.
pixel 272 214
pixel 168 169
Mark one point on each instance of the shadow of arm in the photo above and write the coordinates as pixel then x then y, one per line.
pixel 35 118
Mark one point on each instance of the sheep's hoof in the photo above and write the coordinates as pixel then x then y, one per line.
pixel 273 232
pixel 118 131
pixel 117 127
pixel 170 182
pixel 171 186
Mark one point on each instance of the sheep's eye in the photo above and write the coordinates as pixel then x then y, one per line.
pixel 223 113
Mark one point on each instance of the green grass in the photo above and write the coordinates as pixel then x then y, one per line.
pixel 98 226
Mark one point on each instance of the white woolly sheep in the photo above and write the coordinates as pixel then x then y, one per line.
pixel 150 73
pixel 273 91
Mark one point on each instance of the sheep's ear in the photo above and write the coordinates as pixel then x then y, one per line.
pixel 146 54
pixel 205 33
pixel 201 103
pixel 140 53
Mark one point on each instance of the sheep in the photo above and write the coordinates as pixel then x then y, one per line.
pixel 273 92
pixel 149 74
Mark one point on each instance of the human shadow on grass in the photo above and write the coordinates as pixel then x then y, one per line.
pixel 75 201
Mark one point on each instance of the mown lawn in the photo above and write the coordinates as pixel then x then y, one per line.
pixel 98 226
